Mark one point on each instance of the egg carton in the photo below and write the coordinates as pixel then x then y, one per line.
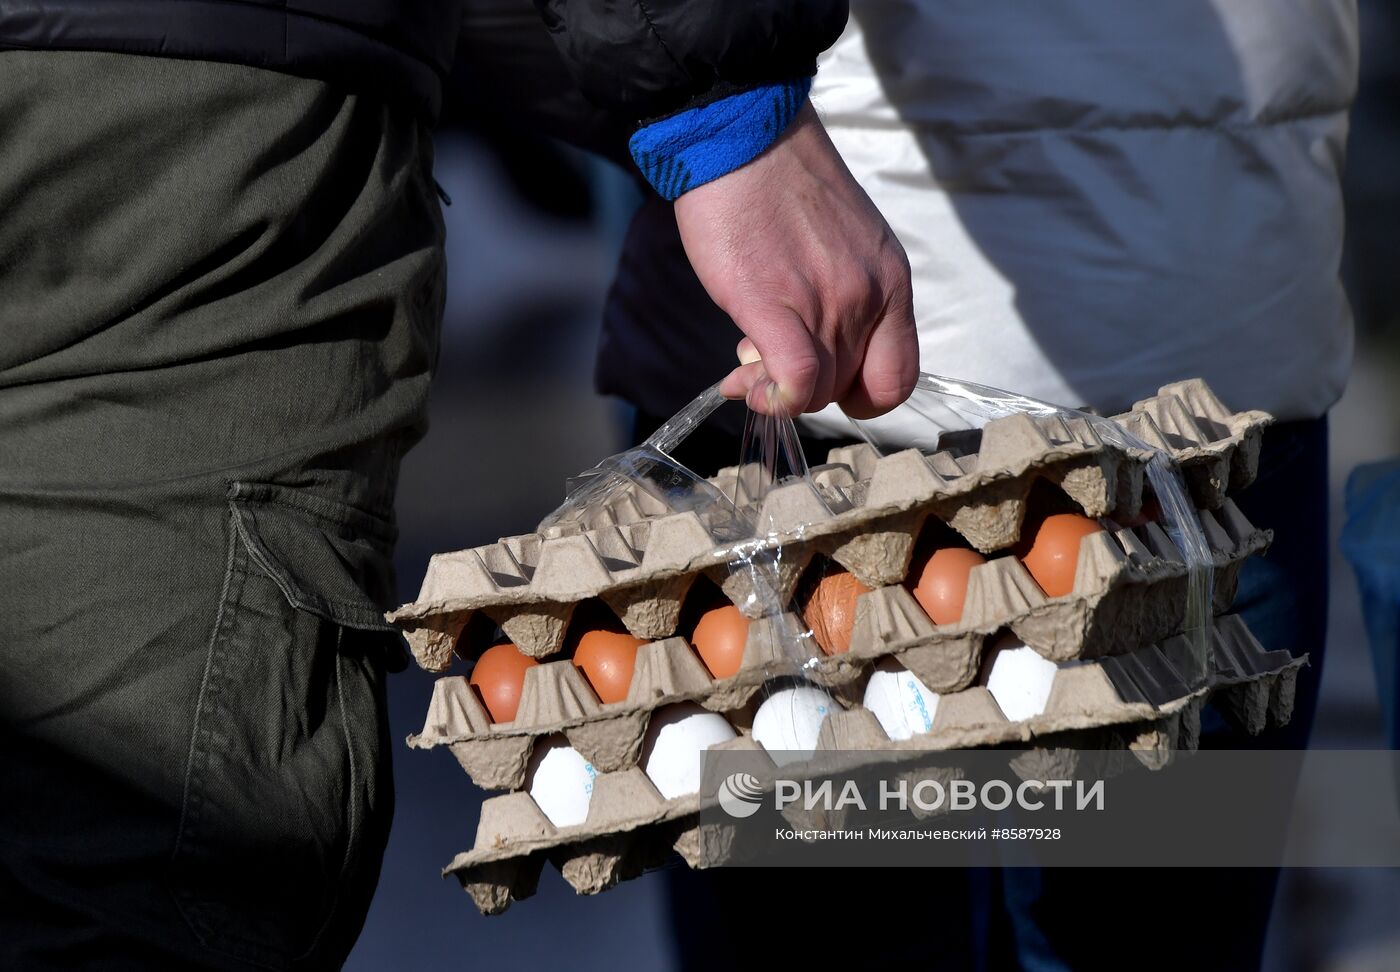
pixel 877 551
pixel 1216 449
pixel 1130 590
pixel 640 556
pixel 1139 701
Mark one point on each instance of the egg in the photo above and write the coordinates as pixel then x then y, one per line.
pixel 560 781
pixel 1053 556
pixel 830 611
pixel 1020 679
pixel 676 737
pixel 789 722
pixel 498 677
pixel 719 638
pixel 939 582
pixel 902 703
pixel 607 658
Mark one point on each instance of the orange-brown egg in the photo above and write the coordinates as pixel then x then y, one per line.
pixel 1054 552
pixel 498 677
pixel 719 638
pixel 830 611
pixel 607 658
pixel 939 582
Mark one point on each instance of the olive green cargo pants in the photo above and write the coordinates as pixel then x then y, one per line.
pixel 220 292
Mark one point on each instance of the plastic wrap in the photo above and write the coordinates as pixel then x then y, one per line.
pixel 771 455
pixel 945 418
pixel 1130 647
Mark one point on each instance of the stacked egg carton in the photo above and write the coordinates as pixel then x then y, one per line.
pixel 865 512
pixel 1136 701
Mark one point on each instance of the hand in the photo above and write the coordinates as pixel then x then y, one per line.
pixel 795 252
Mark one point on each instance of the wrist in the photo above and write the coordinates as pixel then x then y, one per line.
pixel 688 149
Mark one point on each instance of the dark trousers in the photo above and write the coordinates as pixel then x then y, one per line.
pixel 1049 920
pixel 220 291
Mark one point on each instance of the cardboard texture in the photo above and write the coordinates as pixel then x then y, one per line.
pixel 1138 701
pixel 865 511
pixel 641 556
pixel 1130 591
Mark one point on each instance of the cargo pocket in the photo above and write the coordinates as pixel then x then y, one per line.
pixel 287 794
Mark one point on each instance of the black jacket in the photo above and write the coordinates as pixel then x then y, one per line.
pixel 638 58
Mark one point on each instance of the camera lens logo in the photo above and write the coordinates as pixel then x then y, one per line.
pixel 740 795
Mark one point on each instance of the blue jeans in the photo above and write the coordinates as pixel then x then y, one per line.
pixel 1371 543
pixel 1221 915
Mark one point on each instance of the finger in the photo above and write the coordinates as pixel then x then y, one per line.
pixel 789 354
pixel 891 365
pixel 824 392
pixel 751 383
pixel 737 383
pixel 765 398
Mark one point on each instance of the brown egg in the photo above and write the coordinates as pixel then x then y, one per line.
pixel 831 610
pixel 607 657
pixel 499 676
pixel 719 638
pixel 1054 552
pixel 939 582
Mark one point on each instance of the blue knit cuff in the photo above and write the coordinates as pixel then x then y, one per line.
pixel 697 146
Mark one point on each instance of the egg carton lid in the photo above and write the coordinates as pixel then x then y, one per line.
pixel 639 545
pixel 1145 686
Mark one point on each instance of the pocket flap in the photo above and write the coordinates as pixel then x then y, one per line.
pixel 330 559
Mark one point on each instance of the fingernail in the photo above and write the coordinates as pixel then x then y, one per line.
pixel 748 354
pixel 764 396
pixel 790 405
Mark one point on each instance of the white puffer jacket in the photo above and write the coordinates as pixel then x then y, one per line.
pixel 1099 196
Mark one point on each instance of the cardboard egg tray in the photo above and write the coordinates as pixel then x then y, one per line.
pixel 1216 449
pixel 640 556
pixel 1130 590
pixel 1143 700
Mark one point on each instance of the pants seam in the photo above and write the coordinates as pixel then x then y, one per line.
pixel 206 708
pixel 351 802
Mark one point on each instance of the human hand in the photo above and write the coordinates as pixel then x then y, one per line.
pixel 795 252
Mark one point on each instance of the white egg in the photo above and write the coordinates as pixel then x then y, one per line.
pixel 788 722
pixel 1020 680
pixel 903 704
pixel 676 737
pixel 560 782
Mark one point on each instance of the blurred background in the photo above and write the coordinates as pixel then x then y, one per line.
pixel 533 232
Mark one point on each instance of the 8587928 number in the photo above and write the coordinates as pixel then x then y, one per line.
pixel 1025 833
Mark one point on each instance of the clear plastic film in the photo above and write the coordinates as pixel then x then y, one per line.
pixel 945 406
pixel 975 569
pixel 988 463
